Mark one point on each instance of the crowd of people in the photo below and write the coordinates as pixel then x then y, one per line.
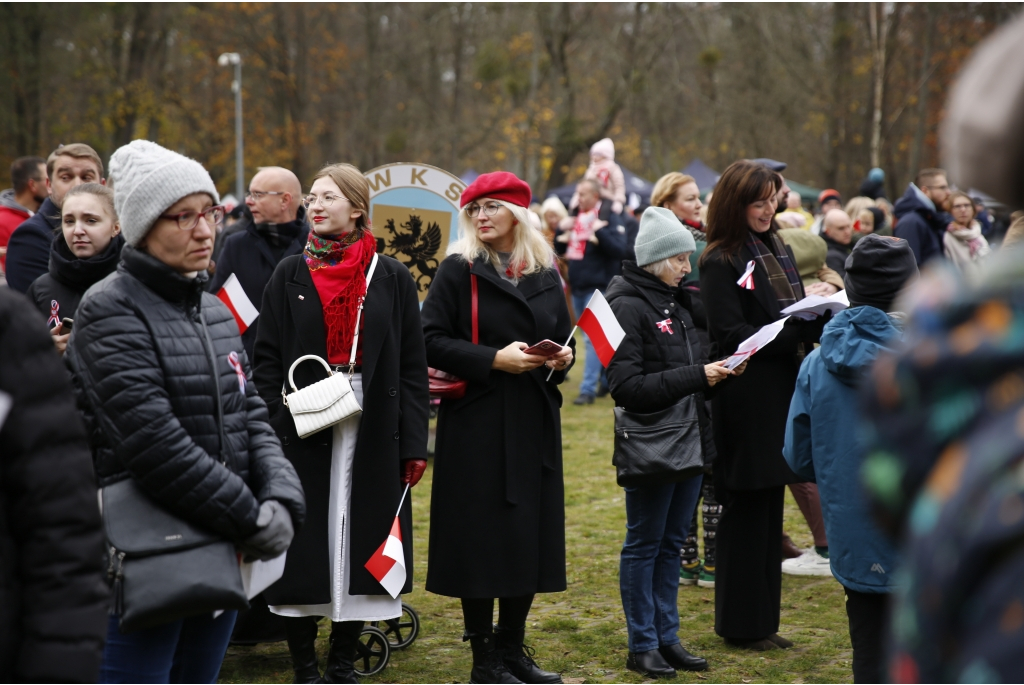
pixel 125 373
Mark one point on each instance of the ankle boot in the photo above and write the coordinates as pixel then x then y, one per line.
pixel 487 663
pixel 518 658
pixel 344 647
pixel 301 634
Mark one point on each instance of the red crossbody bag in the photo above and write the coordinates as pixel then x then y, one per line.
pixel 445 386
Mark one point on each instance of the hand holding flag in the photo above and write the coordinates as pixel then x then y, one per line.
pixel 599 323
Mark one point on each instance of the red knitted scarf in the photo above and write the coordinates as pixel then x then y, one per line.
pixel 338 267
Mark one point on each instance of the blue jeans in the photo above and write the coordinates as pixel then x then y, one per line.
pixel 592 369
pixel 657 523
pixel 189 650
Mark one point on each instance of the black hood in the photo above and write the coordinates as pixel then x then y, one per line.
pixel 80 274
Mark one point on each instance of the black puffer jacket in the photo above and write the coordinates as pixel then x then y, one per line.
pixel 53 598
pixel 61 289
pixel 661 359
pixel 142 348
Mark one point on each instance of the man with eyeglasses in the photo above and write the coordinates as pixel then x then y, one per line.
pixel 922 214
pixel 274 228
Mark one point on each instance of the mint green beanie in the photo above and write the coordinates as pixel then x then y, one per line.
pixel 661 236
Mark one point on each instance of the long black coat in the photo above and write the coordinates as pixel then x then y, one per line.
pixel 497 513
pixel 393 426
pixel 750 411
pixel 53 594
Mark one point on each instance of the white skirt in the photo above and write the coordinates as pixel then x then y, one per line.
pixel 343 606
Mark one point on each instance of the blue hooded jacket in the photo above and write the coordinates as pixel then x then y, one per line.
pixel 824 444
pixel 921 224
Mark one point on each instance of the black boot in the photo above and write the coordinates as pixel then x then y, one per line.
pixel 302 645
pixel 518 658
pixel 487 663
pixel 344 647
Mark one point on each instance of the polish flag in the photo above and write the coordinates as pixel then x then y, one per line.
pixel 387 564
pixel 234 297
pixel 599 322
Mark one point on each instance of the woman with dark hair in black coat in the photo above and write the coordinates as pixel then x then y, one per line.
pixel 750 412
pixel 85 252
pixel 497 513
pixel 355 471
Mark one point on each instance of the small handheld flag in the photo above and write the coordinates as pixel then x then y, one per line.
pixel 235 298
pixel 387 564
pixel 746 281
pixel 599 322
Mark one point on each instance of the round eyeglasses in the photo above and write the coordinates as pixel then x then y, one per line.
pixel 325 200
pixel 189 219
pixel 489 209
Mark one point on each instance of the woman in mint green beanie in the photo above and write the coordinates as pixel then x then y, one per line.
pixel 659 362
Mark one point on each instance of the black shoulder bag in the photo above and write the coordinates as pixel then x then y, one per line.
pixel 164 568
pixel 661 447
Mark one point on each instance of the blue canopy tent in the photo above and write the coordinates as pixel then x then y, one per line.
pixel 705 176
pixel 468 176
pixel 638 190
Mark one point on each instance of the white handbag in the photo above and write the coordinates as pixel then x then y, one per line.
pixel 331 400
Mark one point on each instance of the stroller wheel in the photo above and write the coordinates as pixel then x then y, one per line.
pixel 402 631
pixel 373 653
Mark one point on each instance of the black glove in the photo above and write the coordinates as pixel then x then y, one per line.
pixel 274 535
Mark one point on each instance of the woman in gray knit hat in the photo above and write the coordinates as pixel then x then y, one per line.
pixel 658 363
pixel 166 390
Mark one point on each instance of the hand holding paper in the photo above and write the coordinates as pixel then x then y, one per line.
pixel 816 305
pixel 754 343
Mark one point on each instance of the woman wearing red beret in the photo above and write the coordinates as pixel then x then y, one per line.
pixel 497 516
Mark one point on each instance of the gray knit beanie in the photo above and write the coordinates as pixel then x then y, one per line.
pixel 147 180
pixel 661 236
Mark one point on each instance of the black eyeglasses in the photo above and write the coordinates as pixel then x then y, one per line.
pixel 489 209
pixel 189 219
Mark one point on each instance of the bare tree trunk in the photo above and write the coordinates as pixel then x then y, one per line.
pixel 922 97
pixel 842 30
pixel 878 24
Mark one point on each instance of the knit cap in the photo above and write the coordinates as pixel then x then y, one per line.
pixel 604 147
pixel 661 236
pixel 147 180
pixel 877 270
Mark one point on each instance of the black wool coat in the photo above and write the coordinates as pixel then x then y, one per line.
pixel 53 592
pixel 252 259
pixel 393 428
pixel 69 277
pixel 750 411
pixel 497 513
pixel 151 355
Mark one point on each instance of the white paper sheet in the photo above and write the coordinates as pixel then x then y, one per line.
pixel 754 343
pixel 258 576
pixel 816 305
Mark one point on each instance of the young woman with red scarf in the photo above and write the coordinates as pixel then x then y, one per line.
pixel 353 473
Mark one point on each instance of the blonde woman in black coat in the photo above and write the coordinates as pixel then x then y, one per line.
pixel 497 517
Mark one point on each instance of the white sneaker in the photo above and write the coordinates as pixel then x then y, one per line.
pixel 810 563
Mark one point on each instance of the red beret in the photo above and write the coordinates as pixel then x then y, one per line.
pixel 498 185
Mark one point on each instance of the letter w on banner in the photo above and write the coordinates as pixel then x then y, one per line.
pixel 235 298
pixel 387 564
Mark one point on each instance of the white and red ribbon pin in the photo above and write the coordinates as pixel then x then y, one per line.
pixel 665 326
pixel 746 281
pixel 237 366
pixel 54 313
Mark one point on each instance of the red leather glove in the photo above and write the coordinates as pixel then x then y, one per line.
pixel 412 471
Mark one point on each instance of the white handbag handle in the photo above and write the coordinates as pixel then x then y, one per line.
pixel 359 314
pixel 291 371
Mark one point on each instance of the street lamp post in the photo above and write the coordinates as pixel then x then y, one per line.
pixel 227 59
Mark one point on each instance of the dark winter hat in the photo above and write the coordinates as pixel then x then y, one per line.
pixel 877 270
pixel 498 185
pixel 772 164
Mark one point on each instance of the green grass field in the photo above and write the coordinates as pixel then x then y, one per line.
pixel 582 632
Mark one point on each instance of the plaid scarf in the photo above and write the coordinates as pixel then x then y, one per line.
pixel 784 277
